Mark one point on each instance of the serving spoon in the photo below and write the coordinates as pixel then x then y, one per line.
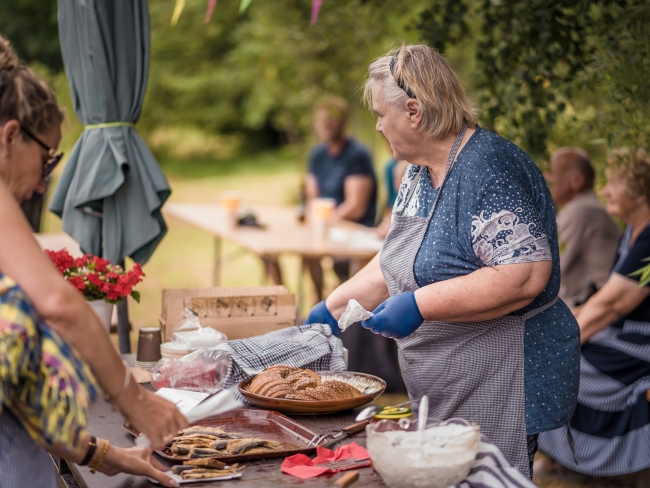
pixel 372 410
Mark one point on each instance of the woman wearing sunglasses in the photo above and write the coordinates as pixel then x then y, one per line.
pixel 52 346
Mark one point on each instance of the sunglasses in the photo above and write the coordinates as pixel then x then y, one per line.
pixel 54 158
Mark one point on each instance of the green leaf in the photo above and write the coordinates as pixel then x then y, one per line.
pixel 644 273
pixel 136 295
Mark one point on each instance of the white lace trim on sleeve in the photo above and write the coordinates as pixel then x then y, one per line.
pixel 500 238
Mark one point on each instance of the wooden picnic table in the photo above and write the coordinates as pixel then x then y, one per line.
pixel 282 234
pixel 104 422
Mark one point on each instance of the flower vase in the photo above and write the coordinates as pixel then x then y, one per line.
pixel 104 312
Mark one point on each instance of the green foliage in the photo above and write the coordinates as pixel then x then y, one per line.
pixel 619 71
pixel 528 54
pixel 266 68
pixel 644 274
pixel 535 58
pixel 32 28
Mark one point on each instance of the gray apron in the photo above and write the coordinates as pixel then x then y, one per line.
pixel 473 370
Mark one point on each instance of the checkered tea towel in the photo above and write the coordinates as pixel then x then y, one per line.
pixel 310 346
pixel 492 469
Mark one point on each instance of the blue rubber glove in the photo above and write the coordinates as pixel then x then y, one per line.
pixel 320 315
pixel 397 317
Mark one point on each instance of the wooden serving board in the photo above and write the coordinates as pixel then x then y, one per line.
pixel 263 424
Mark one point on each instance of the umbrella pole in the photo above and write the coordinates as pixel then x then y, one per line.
pixel 123 326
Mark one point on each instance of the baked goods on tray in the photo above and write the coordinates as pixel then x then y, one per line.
pixel 204 468
pixel 299 384
pixel 204 442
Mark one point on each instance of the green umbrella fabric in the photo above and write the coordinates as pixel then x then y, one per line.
pixel 111 190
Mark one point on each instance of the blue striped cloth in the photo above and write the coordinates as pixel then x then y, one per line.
pixel 611 424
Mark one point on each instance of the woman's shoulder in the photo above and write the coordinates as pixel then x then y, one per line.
pixel 490 149
pixel 488 157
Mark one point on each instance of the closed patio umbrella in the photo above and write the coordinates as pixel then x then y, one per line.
pixel 111 191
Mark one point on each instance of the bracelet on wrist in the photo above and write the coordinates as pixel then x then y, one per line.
pixel 90 452
pixel 98 460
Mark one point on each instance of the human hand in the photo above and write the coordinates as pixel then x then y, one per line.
pixel 320 315
pixel 397 317
pixel 134 460
pixel 154 416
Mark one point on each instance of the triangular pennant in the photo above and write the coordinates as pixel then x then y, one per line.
pixel 315 10
pixel 178 10
pixel 208 11
pixel 244 5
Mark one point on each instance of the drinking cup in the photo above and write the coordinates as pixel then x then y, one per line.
pixel 230 201
pixel 323 209
pixel 149 340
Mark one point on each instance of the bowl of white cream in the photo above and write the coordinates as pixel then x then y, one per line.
pixel 442 456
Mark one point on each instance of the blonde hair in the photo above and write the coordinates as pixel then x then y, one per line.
pixel 25 96
pixel 425 74
pixel 634 168
pixel 336 107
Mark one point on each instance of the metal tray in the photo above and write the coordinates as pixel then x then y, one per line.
pixel 265 424
pixel 370 386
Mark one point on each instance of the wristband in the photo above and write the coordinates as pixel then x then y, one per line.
pixel 90 452
pixel 96 463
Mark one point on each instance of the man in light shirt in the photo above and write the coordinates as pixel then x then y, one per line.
pixel 588 235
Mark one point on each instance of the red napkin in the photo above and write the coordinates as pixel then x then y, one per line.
pixel 301 466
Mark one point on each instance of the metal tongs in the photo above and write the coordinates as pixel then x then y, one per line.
pixel 340 435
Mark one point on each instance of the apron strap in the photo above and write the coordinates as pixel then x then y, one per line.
pixel 538 310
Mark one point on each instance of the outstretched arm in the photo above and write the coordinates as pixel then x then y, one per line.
pixel 64 310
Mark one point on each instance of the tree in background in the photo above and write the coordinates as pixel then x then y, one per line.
pixel 31 27
pixel 266 68
pixel 533 58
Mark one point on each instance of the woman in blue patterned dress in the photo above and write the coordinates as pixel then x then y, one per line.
pixel 468 276
pixel 611 425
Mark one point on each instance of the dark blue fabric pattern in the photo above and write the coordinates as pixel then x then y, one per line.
pixel 616 364
pixel 604 424
pixel 496 209
pixel 331 172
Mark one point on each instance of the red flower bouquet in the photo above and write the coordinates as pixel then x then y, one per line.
pixel 97 278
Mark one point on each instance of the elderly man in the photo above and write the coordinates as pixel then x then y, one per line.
pixel 588 235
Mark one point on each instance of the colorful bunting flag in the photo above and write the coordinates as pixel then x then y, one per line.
pixel 315 10
pixel 178 10
pixel 244 5
pixel 208 12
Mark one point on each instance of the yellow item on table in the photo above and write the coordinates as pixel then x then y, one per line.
pixel 394 413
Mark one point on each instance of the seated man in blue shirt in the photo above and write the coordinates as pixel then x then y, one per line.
pixel 339 168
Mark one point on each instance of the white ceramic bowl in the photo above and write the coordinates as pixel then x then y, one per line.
pixel 444 457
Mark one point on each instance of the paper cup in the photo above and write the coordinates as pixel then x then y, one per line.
pixel 230 201
pixel 149 340
pixel 323 209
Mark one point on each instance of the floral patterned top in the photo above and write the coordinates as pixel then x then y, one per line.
pixel 496 209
